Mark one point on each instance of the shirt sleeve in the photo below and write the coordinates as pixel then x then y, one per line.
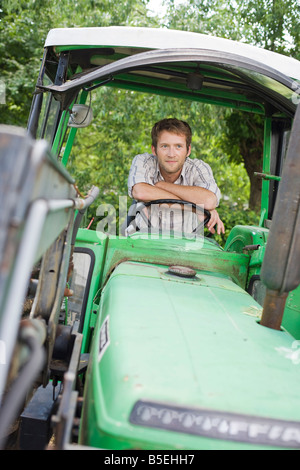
pixel 203 177
pixel 141 171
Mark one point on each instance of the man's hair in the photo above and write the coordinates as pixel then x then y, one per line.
pixel 171 125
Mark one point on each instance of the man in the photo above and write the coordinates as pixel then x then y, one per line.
pixel 169 173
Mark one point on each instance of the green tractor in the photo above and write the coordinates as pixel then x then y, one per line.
pixel 169 342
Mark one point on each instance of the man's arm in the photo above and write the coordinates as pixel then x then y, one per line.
pixel 146 192
pixel 162 190
pixel 195 194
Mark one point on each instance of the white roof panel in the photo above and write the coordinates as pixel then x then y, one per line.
pixel 154 38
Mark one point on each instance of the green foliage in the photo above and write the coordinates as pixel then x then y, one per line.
pixel 24 27
pixel 213 17
pixel 19 62
pixel 245 124
pixel 271 24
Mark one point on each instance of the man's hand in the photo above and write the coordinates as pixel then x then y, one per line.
pixel 215 220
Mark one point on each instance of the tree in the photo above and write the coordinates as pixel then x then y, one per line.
pixel 272 24
pixel 24 27
pixel 243 140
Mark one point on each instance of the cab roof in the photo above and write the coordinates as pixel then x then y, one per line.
pixel 183 64
pixel 134 39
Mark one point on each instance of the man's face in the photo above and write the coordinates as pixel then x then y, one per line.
pixel 171 153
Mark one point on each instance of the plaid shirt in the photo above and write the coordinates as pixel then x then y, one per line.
pixel 145 169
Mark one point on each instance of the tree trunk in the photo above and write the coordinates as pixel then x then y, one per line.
pixel 244 140
pixel 252 157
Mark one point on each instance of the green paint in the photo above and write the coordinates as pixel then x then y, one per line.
pixel 187 343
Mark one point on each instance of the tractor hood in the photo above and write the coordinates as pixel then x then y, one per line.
pixel 182 361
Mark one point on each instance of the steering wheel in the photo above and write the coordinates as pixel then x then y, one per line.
pixel 193 208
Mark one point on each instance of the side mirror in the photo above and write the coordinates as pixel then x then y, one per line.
pixel 281 268
pixel 81 116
